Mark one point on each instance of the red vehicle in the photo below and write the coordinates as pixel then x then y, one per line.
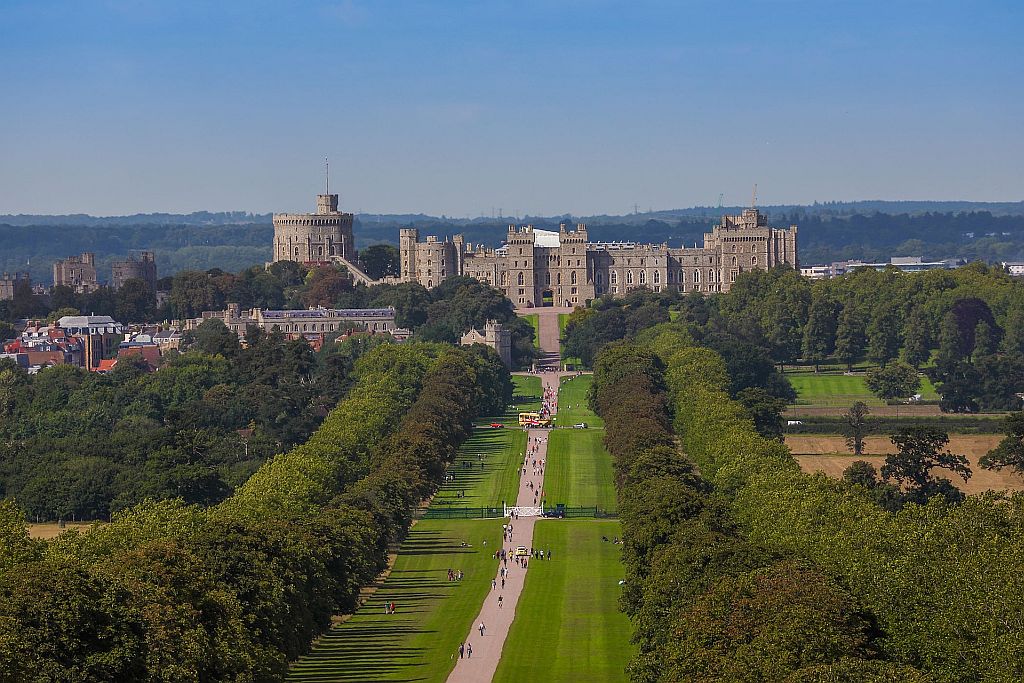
pixel 496 425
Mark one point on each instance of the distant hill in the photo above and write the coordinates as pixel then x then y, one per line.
pixel 989 231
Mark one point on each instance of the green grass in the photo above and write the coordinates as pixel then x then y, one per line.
pixel 572 403
pixel 486 469
pixel 534 320
pixel 432 614
pixel 579 470
pixel 827 389
pixel 567 626
pixel 526 396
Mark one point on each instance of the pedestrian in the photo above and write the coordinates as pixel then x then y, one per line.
pixel 462 650
pixel 469 650
pixel 494 584
pixel 499 602
pixel 482 627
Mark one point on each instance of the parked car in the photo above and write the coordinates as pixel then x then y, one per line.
pixel 521 551
pixel 496 425
pixel 580 425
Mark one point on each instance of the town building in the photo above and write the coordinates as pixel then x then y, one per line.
pixel 495 335
pixel 1015 268
pixel 76 272
pixel 140 266
pixel 906 264
pixel 9 284
pixel 314 320
pixel 540 267
pixel 100 334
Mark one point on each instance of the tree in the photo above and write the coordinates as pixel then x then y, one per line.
pixel 861 473
pixel 1010 451
pixel 919 451
pixel 820 331
pixel 1013 337
pixel 764 409
pixel 856 427
pixel 850 336
pixel 192 293
pixel 895 381
pixel 380 260
pixel 213 337
pixel 135 302
pixel 984 341
pixel 916 339
pixel 883 335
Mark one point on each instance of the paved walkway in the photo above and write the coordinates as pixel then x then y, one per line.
pixel 497 620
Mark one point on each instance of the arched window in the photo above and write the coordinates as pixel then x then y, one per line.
pixel 430 283
pixel 734 260
pixel 522 280
pixel 614 279
pixel 558 278
pixel 753 260
pixel 547 279
pixel 629 277
pixel 696 276
pixel 682 277
pixel 643 277
pixel 504 279
pixel 711 276
pixel 657 278
pixel 572 278
pixel 296 251
pixel 320 251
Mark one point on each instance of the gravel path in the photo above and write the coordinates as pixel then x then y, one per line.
pixel 497 620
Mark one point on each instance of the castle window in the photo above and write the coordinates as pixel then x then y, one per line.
pixel 629 277
pixel 614 279
pixel 572 278
pixel 600 279
pixel 682 277
pixel 296 251
pixel 320 251
pixel 504 279
pixel 753 260
pixel 696 276
pixel 430 283
pixel 711 276
pixel 547 279
pixel 734 260
pixel 522 280
pixel 657 278
pixel 643 277
pixel 558 278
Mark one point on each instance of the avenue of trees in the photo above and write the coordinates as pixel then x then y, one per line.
pixel 963 327
pixel 740 567
pixel 174 592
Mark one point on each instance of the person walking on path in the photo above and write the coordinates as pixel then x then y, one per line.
pixel 482 627
pixel 469 650
pixel 499 602
pixel 462 650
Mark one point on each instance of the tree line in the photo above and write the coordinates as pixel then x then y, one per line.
pixel 175 592
pixel 742 568
pixel 963 327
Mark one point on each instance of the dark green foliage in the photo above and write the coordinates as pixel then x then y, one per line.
pixel 894 381
pixel 1010 451
pixel 764 410
pixel 379 260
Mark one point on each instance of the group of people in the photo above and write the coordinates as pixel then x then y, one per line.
pixel 455 575
pixel 466 649
pixel 389 607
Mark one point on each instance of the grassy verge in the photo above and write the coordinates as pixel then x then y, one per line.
pixel 579 470
pixel 567 626
pixel 432 614
pixel 572 403
pixel 534 320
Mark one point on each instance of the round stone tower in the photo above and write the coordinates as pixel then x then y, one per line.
pixel 318 237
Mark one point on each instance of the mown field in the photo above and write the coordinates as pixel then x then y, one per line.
pixel 534 320
pixel 432 614
pixel 837 389
pixel 572 403
pixel 568 626
pixel 579 470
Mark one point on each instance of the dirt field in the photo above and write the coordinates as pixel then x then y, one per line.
pixel 49 530
pixel 828 454
pixel 796 411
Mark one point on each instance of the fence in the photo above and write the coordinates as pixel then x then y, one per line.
pixel 495 512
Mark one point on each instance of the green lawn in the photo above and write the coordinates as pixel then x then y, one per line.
pixel 432 614
pixel 534 320
pixel 829 389
pixel 567 626
pixel 486 469
pixel 572 402
pixel 526 396
pixel 579 470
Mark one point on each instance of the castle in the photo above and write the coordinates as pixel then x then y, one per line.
pixel 541 267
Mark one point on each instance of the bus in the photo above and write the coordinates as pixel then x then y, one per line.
pixel 533 420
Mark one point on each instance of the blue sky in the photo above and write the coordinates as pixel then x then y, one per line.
pixel 112 107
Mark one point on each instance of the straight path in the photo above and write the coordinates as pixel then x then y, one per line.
pixel 497 617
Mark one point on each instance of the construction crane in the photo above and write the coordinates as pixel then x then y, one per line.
pixel 721 196
pixel 753 198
